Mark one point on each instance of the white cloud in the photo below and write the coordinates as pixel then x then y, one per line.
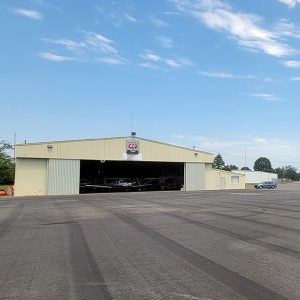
pixel 28 13
pixel 158 22
pixel 295 78
pixel 285 28
pixel 178 62
pixel 92 41
pixel 223 75
pixel 55 57
pixel 151 56
pixel 69 44
pixel 173 63
pixel 149 65
pixel 44 3
pixel 158 62
pixel 266 97
pixel 290 3
pixel 130 18
pixel 268 79
pixel 291 64
pixel 165 41
pixel 262 95
pixel 171 13
pixel 111 60
pixel 100 43
pixel 92 47
pixel 245 28
pixel 114 12
pixel 279 150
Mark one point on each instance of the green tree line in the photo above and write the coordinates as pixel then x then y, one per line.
pixel 261 164
pixel 7 166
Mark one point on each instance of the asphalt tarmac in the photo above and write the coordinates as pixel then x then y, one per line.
pixel 152 245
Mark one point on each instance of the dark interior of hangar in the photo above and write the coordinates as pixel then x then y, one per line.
pixel 110 176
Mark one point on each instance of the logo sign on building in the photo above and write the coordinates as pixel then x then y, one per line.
pixel 132 147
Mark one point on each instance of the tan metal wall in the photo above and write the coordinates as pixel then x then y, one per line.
pixel 63 177
pixel 111 149
pixel 214 179
pixel 30 179
pixel 194 176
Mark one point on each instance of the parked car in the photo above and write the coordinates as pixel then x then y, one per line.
pixel 266 185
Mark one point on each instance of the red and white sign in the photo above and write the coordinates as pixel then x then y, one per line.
pixel 132 147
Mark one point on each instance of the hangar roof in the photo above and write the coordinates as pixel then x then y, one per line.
pixel 112 149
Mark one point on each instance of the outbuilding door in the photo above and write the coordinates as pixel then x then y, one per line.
pixel 222 183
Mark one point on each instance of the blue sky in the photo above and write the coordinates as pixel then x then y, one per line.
pixel 219 75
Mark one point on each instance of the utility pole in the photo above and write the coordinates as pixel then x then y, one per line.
pixel 131 123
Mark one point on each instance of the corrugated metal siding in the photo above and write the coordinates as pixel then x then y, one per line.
pixel 63 177
pixel 257 176
pixel 111 149
pixel 194 176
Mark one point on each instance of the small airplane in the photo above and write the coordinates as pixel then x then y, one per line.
pixel 120 185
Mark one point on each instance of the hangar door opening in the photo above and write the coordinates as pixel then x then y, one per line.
pixel 113 176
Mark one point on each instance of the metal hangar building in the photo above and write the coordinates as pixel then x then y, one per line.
pixel 100 165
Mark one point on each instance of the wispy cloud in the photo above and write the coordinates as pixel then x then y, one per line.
pixel 290 3
pixel 151 56
pixel 44 3
pixel 130 18
pixel 265 97
pixel 32 14
pixel 149 65
pixel 292 64
pixel 178 62
pixel 116 13
pixel 55 57
pixel 99 43
pixel 267 79
pixel 69 44
pixel 111 60
pixel 165 41
pixel 159 62
pixel 285 28
pixel 233 150
pixel 93 46
pixel 173 63
pixel 246 29
pixel 223 75
pixel 171 13
pixel 158 22
pixel 295 78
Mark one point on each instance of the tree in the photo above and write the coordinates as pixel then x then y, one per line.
pixel 245 169
pixel 218 162
pixel 263 164
pixel 279 172
pixel 287 172
pixel 290 172
pixel 7 168
pixel 230 168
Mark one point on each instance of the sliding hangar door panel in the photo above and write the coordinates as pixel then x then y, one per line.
pixel 63 176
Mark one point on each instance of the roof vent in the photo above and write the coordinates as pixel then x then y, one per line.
pixel 133 133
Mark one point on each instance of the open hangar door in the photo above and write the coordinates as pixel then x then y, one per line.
pixel 111 176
